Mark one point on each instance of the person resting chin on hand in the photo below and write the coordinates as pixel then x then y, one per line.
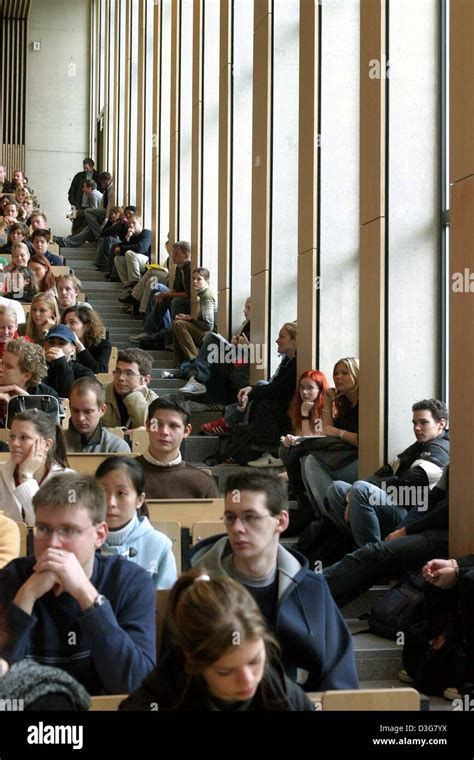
pixel 60 353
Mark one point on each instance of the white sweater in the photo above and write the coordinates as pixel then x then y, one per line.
pixel 14 498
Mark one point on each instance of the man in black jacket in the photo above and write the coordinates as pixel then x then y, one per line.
pixel 370 509
pixel 421 536
pixel 133 254
pixel 5 185
pixel 75 193
pixel 60 352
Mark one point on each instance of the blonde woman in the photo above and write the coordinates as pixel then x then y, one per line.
pixel 43 316
pixel 8 327
pixel 340 420
pixel 266 417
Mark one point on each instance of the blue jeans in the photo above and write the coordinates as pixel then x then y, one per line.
pixel 358 571
pixel 161 314
pixel 95 218
pixel 104 248
pixel 317 479
pixel 372 513
pixel 72 241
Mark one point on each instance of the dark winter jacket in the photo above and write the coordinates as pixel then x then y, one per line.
pixel 169 687
pixel 315 642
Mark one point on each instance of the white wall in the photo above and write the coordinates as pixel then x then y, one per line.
pixel 57 105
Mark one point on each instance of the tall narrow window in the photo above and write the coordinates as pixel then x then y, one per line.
pixel 284 233
pixel 241 214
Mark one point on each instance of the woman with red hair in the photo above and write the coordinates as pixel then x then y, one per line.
pixel 306 410
pixel 41 267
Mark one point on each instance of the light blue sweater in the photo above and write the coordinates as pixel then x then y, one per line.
pixel 139 542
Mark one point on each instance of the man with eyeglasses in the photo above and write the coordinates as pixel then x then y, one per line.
pixel 68 606
pixel 315 642
pixel 128 396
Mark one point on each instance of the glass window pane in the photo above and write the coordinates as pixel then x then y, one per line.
pixel 241 212
pixel 186 120
pixel 339 186
pixel 211 139
pixel 285 168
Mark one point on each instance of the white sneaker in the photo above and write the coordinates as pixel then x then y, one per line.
pixel 138 338
pixel 169 375
pixel 193 387
pixel 266 460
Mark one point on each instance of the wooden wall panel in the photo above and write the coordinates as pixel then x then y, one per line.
pixel 373 56
pixel 174 124
pixel 196 136
pixel 461 368
pixel 13 42
pixel 372 346
pixel 225 168
pixel 461 84
pixel 261 158
pixel 156 158
pixel 308 169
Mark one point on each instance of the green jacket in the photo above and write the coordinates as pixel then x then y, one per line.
pixel 137 405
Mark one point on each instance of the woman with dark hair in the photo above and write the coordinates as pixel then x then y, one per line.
pixel 224 659
pixel 20 284
pixel 17 233
pixel 266 417
pixel 130 532
pixel 92 345
pixel 41 267
pixel 37 452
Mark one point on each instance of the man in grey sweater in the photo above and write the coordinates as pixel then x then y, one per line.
pixel 85 433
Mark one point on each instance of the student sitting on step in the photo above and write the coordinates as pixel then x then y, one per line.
pixel 167 476
pixel 220 368
pixel 189 333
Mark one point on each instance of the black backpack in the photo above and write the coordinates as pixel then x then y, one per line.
pixel 434 654
pixel 44 403
pixel 321 541
pixel 398 608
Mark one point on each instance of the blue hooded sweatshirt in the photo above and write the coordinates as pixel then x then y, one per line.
pixel 139 542
pixel 316 644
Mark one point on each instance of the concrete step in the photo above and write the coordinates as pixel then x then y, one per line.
pixel 364 603
pixel 88 250
pixel 101 288
pixel 197 448
pixel 376 658
pixel 120 325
